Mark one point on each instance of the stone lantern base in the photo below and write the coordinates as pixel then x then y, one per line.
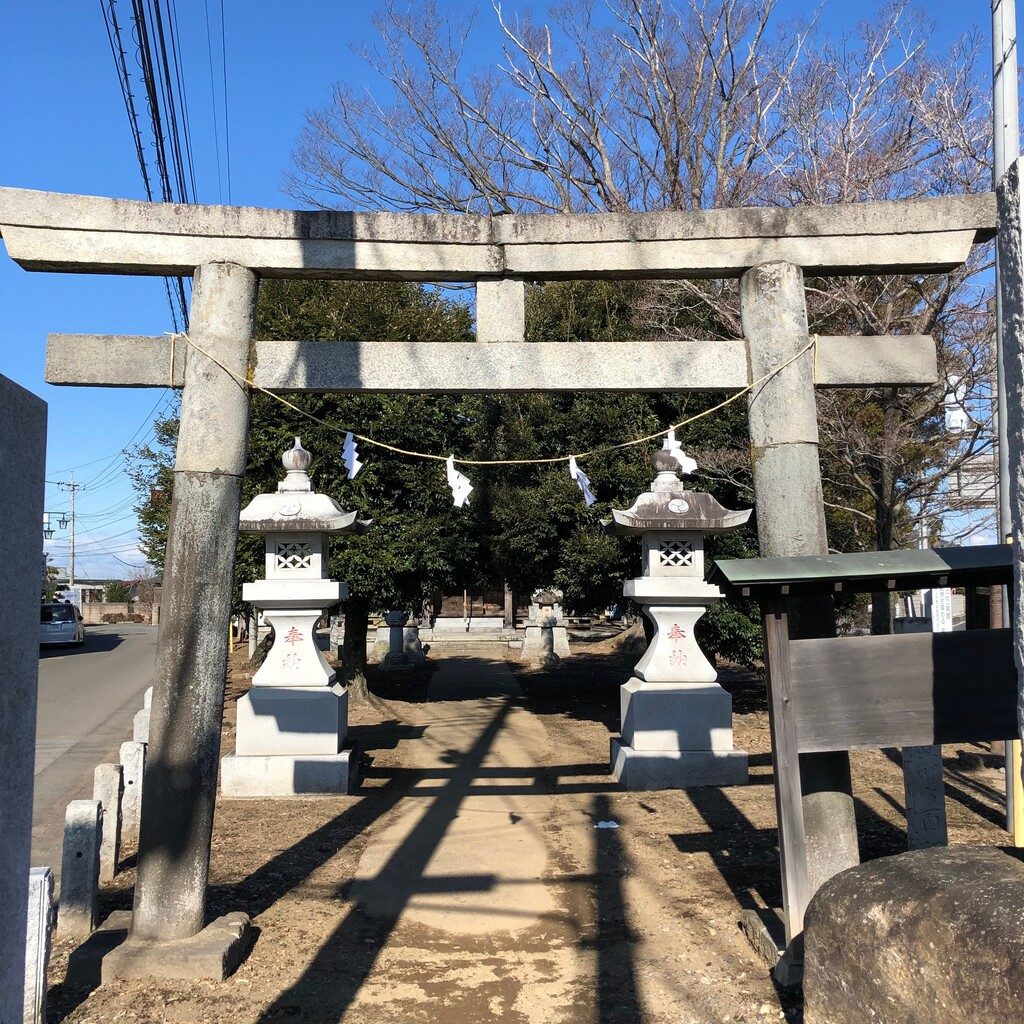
pixel 676 735
pixel 289 743
pixel 276 775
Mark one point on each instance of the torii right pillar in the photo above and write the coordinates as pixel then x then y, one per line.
pixel 790 514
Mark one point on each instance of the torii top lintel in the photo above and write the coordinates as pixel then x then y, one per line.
pixel 90 234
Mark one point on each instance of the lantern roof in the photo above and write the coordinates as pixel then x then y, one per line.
pixel 296 507
pixel 669 505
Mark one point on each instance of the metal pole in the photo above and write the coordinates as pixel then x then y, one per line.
pixel 72 487
pixel 1005 149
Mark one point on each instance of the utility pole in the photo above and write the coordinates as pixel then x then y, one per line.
pixel 72 488
pixel 1005 149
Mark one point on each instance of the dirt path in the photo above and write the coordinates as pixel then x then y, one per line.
pixel 467 883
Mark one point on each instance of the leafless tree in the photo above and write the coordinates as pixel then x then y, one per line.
pixel 610 105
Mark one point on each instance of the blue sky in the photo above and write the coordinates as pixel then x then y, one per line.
pixel 63 128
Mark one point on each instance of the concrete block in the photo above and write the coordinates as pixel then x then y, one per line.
pixel 133 765
pixel 80 869
pixel 147 698
pixel 931 935
pixel 37 943
pixel 109 955
pixel 140 726
pixel 660 769
pixel 676 716
pixel 108 789
pixel 22 453
pixel 289 775
pixel 291 720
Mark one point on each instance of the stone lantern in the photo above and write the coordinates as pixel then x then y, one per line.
pixel 546 639
pixel 676 719
pixel 293 723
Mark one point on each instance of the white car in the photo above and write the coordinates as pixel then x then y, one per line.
pixel 61 624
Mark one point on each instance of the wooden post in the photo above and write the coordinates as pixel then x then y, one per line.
pixel 180 784
pixel 786 764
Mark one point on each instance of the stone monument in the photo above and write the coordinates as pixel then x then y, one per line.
pixel 293 723
pixel 676 719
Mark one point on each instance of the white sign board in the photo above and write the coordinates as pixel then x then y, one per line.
pixel 941 602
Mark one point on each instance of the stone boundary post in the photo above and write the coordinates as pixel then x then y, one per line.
pixel 108 788
pixel 80 869
pixel 133 765
pixel 37 943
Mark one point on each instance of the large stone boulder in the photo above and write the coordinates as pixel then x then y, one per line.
pixel 930 936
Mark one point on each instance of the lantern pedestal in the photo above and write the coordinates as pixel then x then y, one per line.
pixel 676 719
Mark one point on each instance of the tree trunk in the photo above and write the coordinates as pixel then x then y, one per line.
pixel 881 601
pixel 352 670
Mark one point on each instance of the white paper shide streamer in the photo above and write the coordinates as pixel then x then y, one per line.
pixel 686 464
pixel 459 484
pixel 582 482
pixel 350 456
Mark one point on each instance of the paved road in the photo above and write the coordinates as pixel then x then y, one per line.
pixel 87 699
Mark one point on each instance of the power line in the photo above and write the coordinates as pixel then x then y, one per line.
pixel 213 102
pixel 227 129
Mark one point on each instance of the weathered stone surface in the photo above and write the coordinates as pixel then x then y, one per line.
pixel 22 454
pixel 500 311
pixel 80 868
pixel 791 514
pixel 140 726
pixel 133 771
pixel 108 789
pixel 37 943
pixel 147 697
pixel 51 231
pixel 925 796
pixel 180 782
pixel 212 954
pixel 932 935
pixel 391 366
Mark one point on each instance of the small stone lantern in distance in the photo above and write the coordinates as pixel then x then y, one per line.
pixel 293 723
pixel 676 719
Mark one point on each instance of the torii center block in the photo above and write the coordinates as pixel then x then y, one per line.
pixel 676 718
pixel 293 723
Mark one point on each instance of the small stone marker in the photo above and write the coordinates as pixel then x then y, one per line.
pixel 147 697
pixel 108 788
pixel 140 726
pixel 133 764
pixel 37 943
pixel 80 869
pixel 925 797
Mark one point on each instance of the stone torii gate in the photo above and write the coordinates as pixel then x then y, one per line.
pixel 228 249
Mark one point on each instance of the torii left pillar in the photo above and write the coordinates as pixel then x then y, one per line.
pixel 167 931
